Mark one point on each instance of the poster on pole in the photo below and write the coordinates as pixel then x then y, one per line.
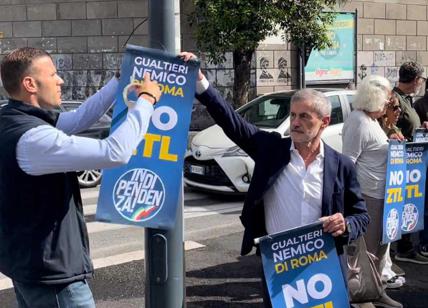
pixel 145 191
pixel 302 269
pixel 395 189
pixel 335 64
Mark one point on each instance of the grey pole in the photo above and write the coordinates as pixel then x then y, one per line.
pixel 301 56
pixel 164 249
pixel 162 24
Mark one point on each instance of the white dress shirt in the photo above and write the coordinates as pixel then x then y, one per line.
pixel 295 198
pixel 202 85
pixel 46 149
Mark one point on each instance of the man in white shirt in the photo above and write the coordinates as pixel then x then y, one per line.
pixel 44 246
pixel 296 180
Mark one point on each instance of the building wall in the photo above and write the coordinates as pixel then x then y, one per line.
pixel 84 37
pixel 389 33
pixel 281 60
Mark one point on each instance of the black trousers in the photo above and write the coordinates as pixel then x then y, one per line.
pixel 405 244
pixel 265 291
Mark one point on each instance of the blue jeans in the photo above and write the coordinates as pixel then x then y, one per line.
pixel 76 294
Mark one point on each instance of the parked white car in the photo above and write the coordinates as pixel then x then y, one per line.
pixel 214 163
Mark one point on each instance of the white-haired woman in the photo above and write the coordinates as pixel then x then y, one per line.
pixel 366 143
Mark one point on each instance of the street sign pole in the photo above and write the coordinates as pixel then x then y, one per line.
pixel 302 64
pixel 164 249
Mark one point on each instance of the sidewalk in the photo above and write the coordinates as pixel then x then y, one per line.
pixel 217 277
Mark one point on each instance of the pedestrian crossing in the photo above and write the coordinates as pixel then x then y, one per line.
pixel 196 205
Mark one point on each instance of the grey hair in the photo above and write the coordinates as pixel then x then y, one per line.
pixel 319 101
pixel 372 93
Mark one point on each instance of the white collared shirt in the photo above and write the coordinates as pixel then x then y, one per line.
pixel 295 198
pixel 46 149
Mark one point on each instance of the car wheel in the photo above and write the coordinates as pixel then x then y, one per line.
pixel 89 178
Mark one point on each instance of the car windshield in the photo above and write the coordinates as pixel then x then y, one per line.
pixel 267 111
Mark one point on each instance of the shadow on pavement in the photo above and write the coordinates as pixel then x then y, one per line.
pixel 245 267
pixel 233 284
pixel 217 277
pixel 215 304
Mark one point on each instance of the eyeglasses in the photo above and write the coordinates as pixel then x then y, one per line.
pixel 395 107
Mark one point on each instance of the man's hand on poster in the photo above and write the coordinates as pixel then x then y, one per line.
pixel 186 56
pixel 148 89
pixel 334 224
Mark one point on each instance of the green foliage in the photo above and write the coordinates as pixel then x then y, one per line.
pixel 238 26
pixel 230 25
pixel 305 22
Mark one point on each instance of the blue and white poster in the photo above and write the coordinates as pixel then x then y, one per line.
pixel 420 135
pixel 145 192
pixel 302 269
pixel 404 203
pixel 413 211
pixel 338 62
pixel 395 189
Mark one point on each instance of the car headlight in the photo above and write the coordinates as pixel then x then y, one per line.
pixel 234 151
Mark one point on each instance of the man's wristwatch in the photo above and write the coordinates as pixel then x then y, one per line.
pixel 348 227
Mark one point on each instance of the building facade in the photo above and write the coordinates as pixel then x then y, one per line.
pixel 86 40
pixel 389 32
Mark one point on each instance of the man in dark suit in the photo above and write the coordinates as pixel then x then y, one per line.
pixel 297 180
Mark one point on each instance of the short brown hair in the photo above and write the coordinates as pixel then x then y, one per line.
pixel 409 71
pixel 16 64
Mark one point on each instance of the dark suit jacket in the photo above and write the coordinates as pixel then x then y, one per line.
pixel 271 153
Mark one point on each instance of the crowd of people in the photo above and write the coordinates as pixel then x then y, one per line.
pixel 297 180
pixel 293 183
pixel 382 113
